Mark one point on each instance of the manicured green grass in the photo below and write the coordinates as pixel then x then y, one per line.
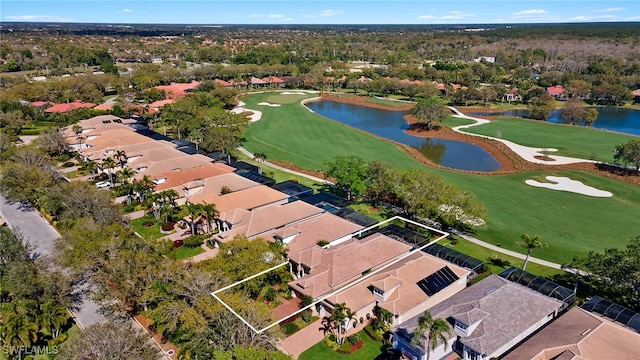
pixel 321 351
pixel 488 255
pixel 293 133
pixel 572 224
pixel 183 252
pixel 277 98
pixel 387 102
pixel 574 141
pixel 152 232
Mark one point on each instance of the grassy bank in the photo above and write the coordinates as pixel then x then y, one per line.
pixel 574 141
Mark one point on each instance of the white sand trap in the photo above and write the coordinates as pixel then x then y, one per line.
pixel 292 93
pixel 566 184
pixel 268 104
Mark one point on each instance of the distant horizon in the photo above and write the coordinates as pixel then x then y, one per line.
pixel 317 12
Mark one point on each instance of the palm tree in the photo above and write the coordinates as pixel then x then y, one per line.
pixel 530 242
pixel 126 174
pixel 121 156
pixel 53 318
pixel 109 164
pixel 436 329
pixel 17 331
pixel 210 212
pixel 260 157
pixel 350 316
pixel 338 317
pixel 92 167
pixel 194 211
pixel 144 187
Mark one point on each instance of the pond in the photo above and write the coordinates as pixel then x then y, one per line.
pixel 392 125
pixel 609 118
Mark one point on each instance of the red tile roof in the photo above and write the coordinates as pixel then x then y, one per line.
pixel 273 80
pixel 176 90
pixel 104 106
pixel 40 103
pixel 256 81
pixel 60 108
pixel 222 83
pixel 555 90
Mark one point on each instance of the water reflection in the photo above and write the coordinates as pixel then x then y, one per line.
pixel 392 125
pixel 609 118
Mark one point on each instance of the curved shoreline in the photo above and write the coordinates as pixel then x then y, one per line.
pixel 509 160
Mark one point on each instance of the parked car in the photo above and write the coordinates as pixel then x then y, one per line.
pixel 103 184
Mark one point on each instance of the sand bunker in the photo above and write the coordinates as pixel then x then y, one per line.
pixel 268 104
pixel 292 93
pixel 566 184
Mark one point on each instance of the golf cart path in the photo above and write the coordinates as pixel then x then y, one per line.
pixel 525 152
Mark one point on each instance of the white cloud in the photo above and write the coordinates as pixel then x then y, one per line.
pixel 608 10
pixel 37 18
pixel 127 10
pixel 456 15
pixel 256 15
pixel 323 13
pixel 426 17
pixel 275 16
pixel 529 13
pixel 330 12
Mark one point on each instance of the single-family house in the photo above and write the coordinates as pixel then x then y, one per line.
pixel 580 334
pixel 66 107
pixel 486 320
pixel 321 271
pixel 406 288
pixel 636 96
pixel 557 92
pixel 178 90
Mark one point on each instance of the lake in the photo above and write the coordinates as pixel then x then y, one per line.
pixel 609 118
pixel 391 125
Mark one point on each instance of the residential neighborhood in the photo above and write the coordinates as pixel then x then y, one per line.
pixel 319 191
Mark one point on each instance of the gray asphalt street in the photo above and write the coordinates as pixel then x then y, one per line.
pixel 41 235
pixel 26 220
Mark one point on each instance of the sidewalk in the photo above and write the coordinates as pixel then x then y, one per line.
pixel 511 253
pixel 310 177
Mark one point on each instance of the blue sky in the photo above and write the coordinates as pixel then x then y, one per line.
pixel 320 12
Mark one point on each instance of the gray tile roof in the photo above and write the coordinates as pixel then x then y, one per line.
pixel 506 309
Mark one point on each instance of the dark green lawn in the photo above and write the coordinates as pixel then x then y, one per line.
pixel 574 141
pixel 572 224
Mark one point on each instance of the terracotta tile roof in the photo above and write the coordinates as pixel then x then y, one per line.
pixel 222 83
pixel 160 103
pixel 582 335
pixel 635 92
pixel 177 178
pixel 178 90
pixel 406 274
pixel 344 262
pixel 512 309
pixel 78 104
pixel 40 103
pixel 307 232
pixel 267 218
pixel 256 81
pixel 248 198
pixel 273 80
pixel 104 106
pixel 182 162
pixel 555 90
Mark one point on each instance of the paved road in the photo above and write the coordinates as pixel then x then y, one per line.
pixel 39 233
pixel 26 220
pixel 511 253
